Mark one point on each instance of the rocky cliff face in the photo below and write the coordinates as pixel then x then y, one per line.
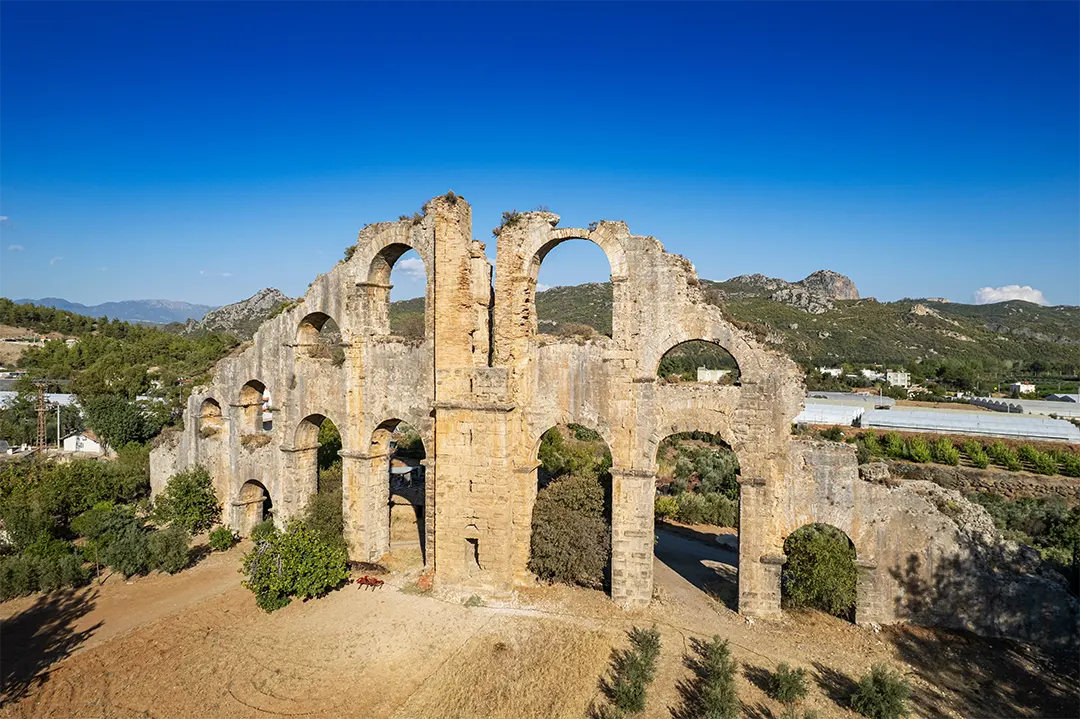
pixel 241 319
pixel 814 294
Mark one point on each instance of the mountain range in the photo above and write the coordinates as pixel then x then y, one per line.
pixel 154 311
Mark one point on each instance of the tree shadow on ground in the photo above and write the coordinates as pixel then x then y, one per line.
pixel 836 685
pixel 40 636
pixel 988 677
pixel 758 676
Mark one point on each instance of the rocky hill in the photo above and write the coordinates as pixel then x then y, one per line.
pixel 240 319
pixel 814 294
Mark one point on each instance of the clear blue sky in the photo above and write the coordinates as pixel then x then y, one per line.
pixel 202 151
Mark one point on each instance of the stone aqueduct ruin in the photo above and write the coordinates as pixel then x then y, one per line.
pixel 482 387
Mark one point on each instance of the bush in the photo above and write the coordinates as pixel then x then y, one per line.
pixel 665 507
pixel 881 694
pixel 1004 456
pixel 323 516
pixel 294 563
pixel 571 538
pixel 894 446
pixel 222 538
pixel 632 671
pixel 943 452
pixel 189 500
pixel 918 450
pixel 263 530
pixel 820 570
pixel 711 693
pixel 863 453
pixel 872 443
pixel 1043 463
pixel 129 552
pixel 169 550
pixel 976 454
pixel 787 685
pixel 23 574
pixel 833 434
pixel 1070 463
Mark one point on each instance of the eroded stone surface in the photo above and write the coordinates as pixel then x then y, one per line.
pixel 481 389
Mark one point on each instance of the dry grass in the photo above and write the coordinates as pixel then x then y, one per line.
pixel 529 669
pixel 251 441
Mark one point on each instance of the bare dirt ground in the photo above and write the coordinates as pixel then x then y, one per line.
pixel 195 645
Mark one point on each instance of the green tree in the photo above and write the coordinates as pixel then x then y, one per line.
pixel 881 694
pixel 189 501
pixel 712 693
pixel 632 671
pixel 117 420
pixel 820 570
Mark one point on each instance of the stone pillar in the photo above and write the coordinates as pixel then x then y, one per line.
pixel 760 561
pixel 869 604
pixel 632 496
pixel 429 510
pixel 365 498
pixel 300 481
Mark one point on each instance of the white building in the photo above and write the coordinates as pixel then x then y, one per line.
pixel 871 375
pixel 897 379
pixel 836 372
pixel 1019 388
pixel 85 442
pixel 711 375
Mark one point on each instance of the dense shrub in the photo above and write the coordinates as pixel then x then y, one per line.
pixel 128 552
pixel 560 455
pixel 1070 463
pixel 894 446
pixel 833 434
pixel 632 671
pixel 571 537
pixel 323 516
pixel 943 452
pixel 222 538
pixel 881 694
pixel 263 530
pixel 665 507
pixel 820 570
pixel 295 563
pixel 1043 463
pixel 715 509
pixel 1004 456
pixel 711 693
pixel 26 573
pixel 976 454
pixel 872 443
pixel 787 685
pixel 189 500
pixel 169 549
pixel 918 450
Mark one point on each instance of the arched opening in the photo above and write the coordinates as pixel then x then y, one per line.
pixel 319 476
pixel 210 420
pixel 820 571
pixel 406 502
pixel 398 284
pixel 254 506
pixel 697 514
pixel 320 337
pixel 571 518
pixel 256 415
pixel 699 361
pixel 572 291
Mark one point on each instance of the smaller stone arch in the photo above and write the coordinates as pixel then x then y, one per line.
pixel 252 506
pixel 320 336
pixel 699 361
pixel 211 421
pixel 254 398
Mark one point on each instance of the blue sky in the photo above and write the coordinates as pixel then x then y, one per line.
pixel 201 151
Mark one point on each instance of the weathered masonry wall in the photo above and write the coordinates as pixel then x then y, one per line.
pixel 483 386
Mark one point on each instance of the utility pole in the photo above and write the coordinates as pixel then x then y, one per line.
pixel 42 408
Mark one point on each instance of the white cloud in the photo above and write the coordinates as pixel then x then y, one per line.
pixel 226 274
pixel 990 295
pixel 4 220
pixel 103 269
pixel 413 267
pixel 15 248
pixel 542 288
pixel 54 260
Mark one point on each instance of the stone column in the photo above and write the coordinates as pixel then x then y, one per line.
pixel 300 481
pixel 760 561
pixel 429 510
pixel 365 498
pixel 632 496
